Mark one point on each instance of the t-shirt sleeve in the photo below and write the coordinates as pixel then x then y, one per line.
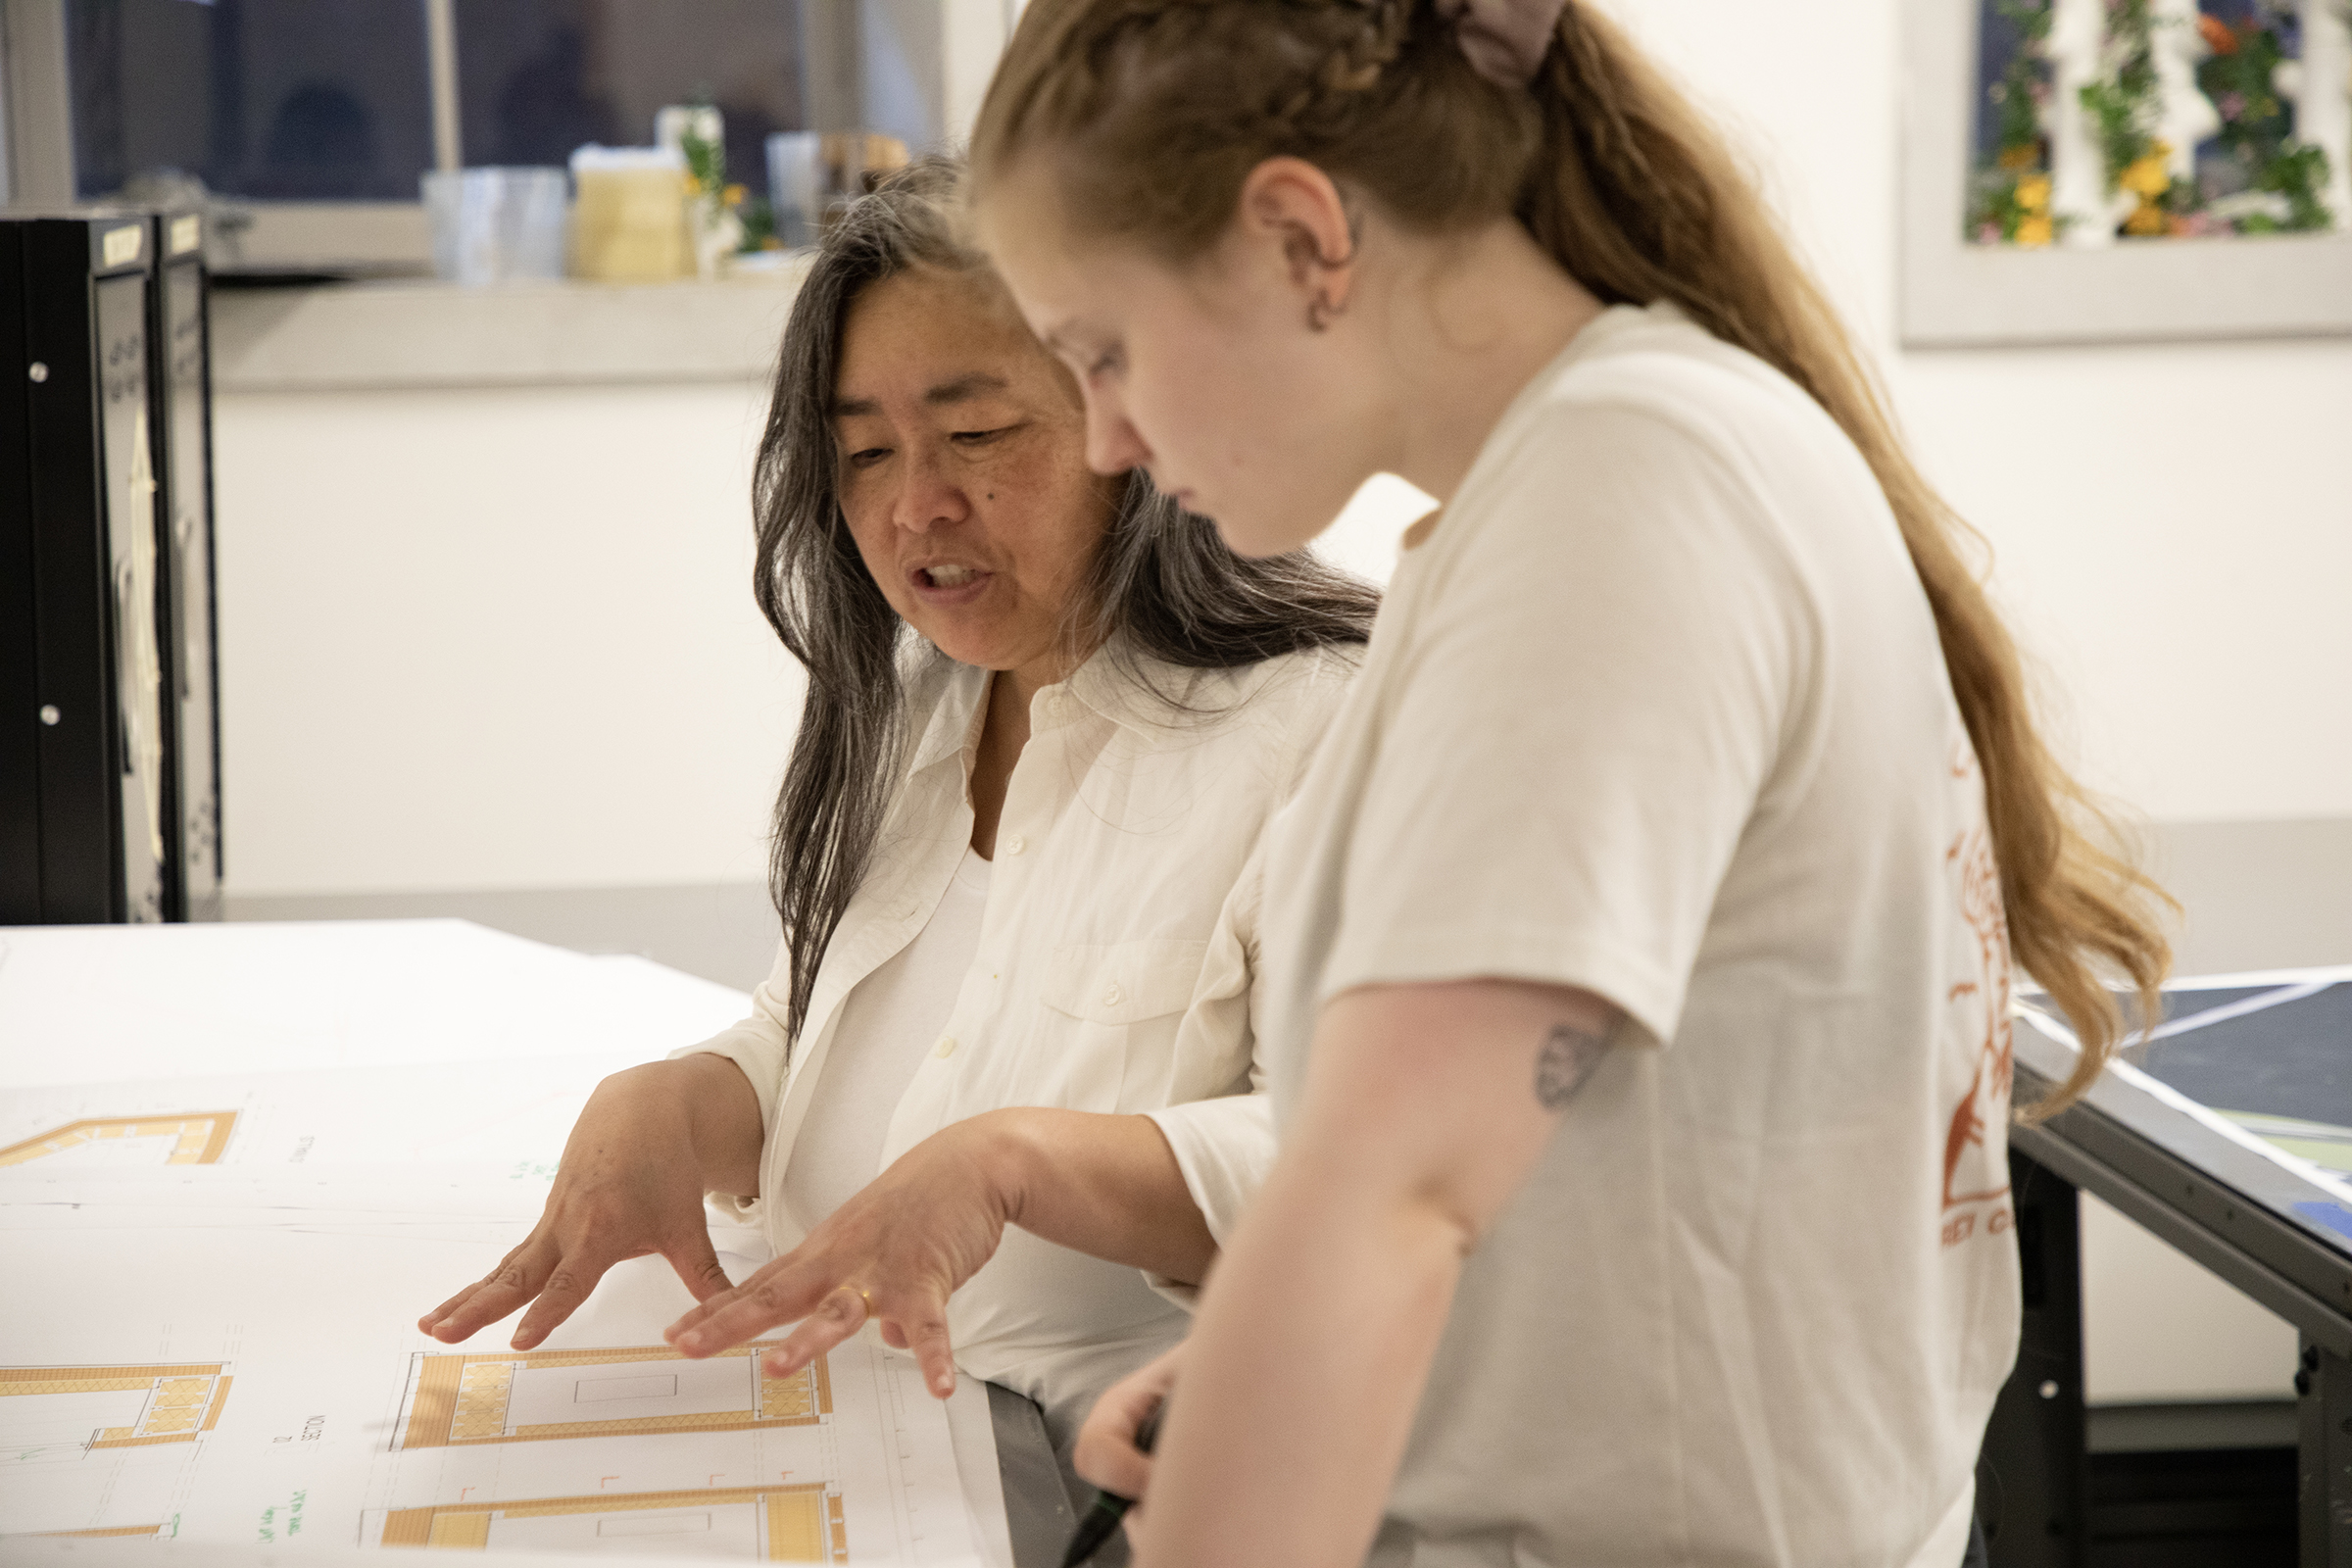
pixel 1594 692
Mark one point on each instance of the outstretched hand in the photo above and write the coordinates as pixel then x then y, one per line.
pixel 895 1253
pixel 648 1143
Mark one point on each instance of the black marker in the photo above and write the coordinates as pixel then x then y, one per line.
pixel 1110 1507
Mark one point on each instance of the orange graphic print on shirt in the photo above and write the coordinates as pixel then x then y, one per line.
pixel 1975 1167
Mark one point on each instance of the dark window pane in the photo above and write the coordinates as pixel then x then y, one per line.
pixel 277 99
pixel 538 77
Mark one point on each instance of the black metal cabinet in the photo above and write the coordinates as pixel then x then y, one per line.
pixel 180 376
pixel 85 818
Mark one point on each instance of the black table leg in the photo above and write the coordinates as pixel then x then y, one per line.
pixel 2324 1390
pixel 2032 1480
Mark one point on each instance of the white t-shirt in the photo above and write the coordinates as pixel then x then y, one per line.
pixel 889 1024
pixel 1658 711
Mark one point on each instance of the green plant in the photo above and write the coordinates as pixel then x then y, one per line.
pixel 2258 126
pixel 2124 103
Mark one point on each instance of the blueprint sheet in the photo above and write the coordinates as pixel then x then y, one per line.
pixel 218 1355
pixel 238 1163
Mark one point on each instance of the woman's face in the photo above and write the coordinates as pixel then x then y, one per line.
pixel 1212 379
pixel 962 470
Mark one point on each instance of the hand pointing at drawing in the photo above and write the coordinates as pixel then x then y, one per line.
pixel 650 1140
pixel 1105 1185
pixel 895 1253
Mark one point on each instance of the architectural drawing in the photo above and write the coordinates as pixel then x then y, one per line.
pixel 64 1412
pixel 106 1532
pixel 530 1396
pixel 802 1522
pixel 195 1138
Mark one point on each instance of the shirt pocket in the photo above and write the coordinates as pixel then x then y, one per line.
pixel 1122 1004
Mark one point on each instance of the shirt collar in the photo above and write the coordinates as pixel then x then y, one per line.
pixel 1115 683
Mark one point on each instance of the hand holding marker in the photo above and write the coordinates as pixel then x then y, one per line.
pixel 1110 1507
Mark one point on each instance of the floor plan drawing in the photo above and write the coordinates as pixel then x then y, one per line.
pixel 197 1139
pixel 64 1412
pixel 532 1397
pixel 802 1522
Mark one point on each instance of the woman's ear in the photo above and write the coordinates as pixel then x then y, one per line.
pixel 1295 209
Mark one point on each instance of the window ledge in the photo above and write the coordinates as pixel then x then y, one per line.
pixel 412 334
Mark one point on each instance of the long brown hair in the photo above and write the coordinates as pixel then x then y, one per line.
pixel 1153 113
pixel 1162 586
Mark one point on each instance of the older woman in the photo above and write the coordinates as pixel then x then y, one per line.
pixel 1000 1094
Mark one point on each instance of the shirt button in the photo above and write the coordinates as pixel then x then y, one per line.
pixel 945 1047
pixel 1114 996
pixel 1015 845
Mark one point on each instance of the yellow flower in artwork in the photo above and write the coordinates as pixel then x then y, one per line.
pixel 2034 192
pixel 2023 156
pixel 2148 218
pixel 2146 177
pixel 733 195
pixel 2033 232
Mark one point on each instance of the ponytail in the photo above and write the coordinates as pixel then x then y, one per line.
pixel 1158 112
pixel 1641 201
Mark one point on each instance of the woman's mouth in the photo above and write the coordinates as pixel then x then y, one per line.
pixel 947 583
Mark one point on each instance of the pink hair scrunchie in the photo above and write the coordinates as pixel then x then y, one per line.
pixel 1504 39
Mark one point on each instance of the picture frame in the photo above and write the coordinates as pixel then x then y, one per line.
pixel 1958 292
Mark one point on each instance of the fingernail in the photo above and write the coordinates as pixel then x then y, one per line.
pixel 688 1341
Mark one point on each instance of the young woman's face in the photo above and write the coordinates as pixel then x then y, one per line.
pixel 962 470
pixel 1211 379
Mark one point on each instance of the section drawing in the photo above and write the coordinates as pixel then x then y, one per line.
pixel 64 1412
pixel 197 1139
pixel 100 1533
pixel 530 1396
pixel 799 1523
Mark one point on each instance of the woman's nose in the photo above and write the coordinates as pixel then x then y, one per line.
pixel 1112 444
pixel 929 496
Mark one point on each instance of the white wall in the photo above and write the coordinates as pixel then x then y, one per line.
pixel 2170 523
pixel 493 639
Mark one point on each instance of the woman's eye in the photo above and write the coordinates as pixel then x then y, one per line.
pixel 1108 362
pixel 976 438
pixel 867 457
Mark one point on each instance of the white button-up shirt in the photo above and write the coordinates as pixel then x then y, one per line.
pixel 1114 972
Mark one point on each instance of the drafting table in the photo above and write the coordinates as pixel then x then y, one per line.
pixel 127 1004
pixel 2228 1135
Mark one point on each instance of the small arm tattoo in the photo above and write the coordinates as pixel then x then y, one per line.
pixel 1565 1060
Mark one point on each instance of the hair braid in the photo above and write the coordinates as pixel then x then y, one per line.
pixel 1354 64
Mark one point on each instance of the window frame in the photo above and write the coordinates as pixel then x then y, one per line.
pixel 394 238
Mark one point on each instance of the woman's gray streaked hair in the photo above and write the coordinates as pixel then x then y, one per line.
pixel 1163 585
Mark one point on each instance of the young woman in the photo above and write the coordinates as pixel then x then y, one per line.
pixel 1640 943
pixel 1004 1068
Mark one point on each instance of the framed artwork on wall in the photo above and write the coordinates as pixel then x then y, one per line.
pixel 2112 170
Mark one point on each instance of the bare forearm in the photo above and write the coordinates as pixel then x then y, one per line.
pixel 1105 1185
pixel 1293 1413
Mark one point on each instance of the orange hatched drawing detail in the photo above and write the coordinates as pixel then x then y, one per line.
pixel 803 1522
pixel 183 1399
pixel 197 1139
pixel 466 1399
